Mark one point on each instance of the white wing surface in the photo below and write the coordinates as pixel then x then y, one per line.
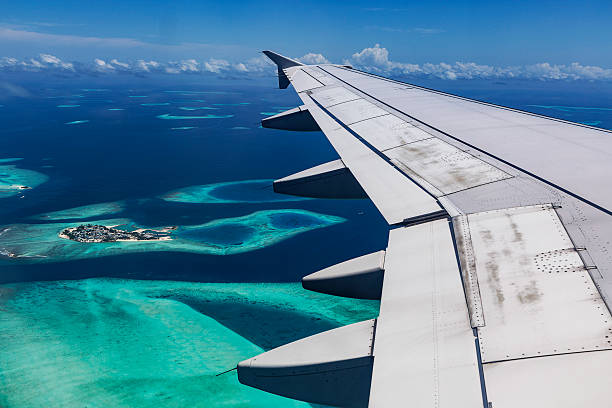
pixel 495 285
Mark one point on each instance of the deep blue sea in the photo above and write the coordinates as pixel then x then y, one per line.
pixel 186 152
pixel 132 155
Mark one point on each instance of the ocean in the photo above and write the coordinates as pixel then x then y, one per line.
pixel 151 323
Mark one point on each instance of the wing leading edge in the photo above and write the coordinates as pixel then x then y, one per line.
pixel 495 283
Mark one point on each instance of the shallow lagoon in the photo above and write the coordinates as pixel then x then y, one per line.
pixel 85 211
pixel 195 108
pixel 13 178
pixel 39 243
pixel 77 122
pixel 168 116
pixel 112 342
pixel 243 191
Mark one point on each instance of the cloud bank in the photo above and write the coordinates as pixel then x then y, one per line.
pixel 376 60
pixel 51 63
pixel 373 59
pixel 312 59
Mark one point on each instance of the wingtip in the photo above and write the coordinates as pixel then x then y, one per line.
pixel 280 60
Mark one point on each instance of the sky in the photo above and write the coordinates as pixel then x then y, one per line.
pixel 448 39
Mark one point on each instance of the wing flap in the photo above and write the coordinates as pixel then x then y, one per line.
pixel 424 348
pixel 562 381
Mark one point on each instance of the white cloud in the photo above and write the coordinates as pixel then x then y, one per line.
pixel 376 57
pixel 102 66
pixel 42 62
pixel 147 66
pixel 312 59
pixel 99 65
pixel 6 61
pixel 50 59
pixel 376 60
pixel 240 67
pixel 32 63
pixel 260 63
pixel 373 59
pixel 116 63
pixel 177 67
pixel 216 65
pixel 55 62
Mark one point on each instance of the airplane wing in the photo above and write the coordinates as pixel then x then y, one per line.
pixel 495 285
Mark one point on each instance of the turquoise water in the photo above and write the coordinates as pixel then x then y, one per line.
pixel 40 243
pixel 244 191
pixel 178 117
pixel 571 108
pixel 195 108
pixel 85 211
pixel 13 178
pixel 77 122
pixel 112 343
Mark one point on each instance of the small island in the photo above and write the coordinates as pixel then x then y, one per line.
pixel 101 233
pixel 14 187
